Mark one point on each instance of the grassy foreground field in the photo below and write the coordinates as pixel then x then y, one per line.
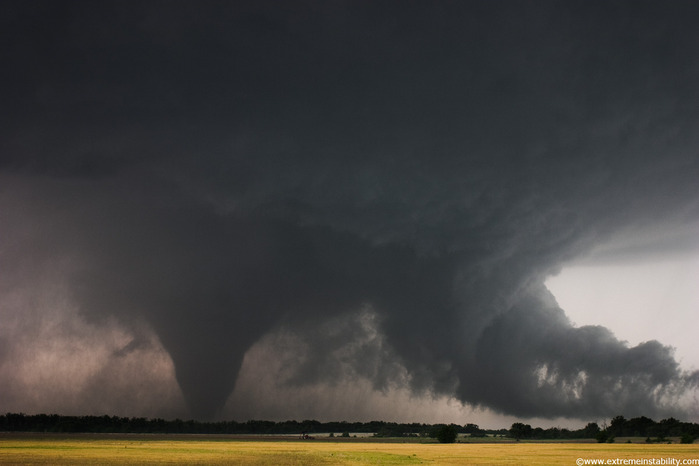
pixel 144 449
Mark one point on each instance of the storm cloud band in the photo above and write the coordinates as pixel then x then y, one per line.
pixel 220 173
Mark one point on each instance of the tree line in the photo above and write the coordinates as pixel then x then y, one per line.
pixel 19 422
pixel 618 427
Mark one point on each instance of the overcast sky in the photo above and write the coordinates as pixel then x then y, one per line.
pixel 413 211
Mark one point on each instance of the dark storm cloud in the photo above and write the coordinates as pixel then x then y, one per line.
pixel 581 371
pixel 220 171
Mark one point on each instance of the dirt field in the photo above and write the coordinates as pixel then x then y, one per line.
pixel 110 449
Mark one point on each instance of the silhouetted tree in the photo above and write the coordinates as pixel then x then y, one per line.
pixel 520 430
pixel 473 430
pixel 447 434
pixel 591 430
pixel 617 426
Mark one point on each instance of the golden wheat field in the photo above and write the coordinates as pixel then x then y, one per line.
pixel 134 449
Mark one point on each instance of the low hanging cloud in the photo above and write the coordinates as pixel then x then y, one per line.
pixel 375 194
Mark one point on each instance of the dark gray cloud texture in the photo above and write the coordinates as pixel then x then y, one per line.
pixel 401 176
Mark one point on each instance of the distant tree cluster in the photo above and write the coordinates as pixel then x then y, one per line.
pixel 113 424
pixel 445 433
pixel 12 422
pixel 619 427
pixel 653 431
pixel 525 431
